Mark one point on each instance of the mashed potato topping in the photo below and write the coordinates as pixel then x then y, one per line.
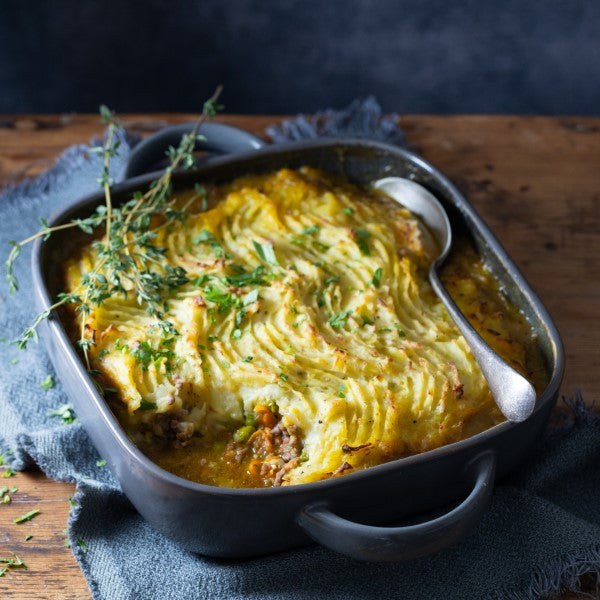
pixel 308 340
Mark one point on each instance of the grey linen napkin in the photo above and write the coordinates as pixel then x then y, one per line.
pixel 541 532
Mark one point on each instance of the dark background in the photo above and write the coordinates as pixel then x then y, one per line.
pixel 277 56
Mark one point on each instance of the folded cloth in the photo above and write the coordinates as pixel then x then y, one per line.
pixel 541 533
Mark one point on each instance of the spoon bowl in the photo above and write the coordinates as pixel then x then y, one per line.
pixel 513 394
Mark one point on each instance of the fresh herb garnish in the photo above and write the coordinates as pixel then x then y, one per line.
pixel 48 383
pixel 11 563
pixel 128 259
pixel 101 463
pixel 201 280
pixel 206 237
pixel 27 516
pixel 341 391
pixel 360 237
pixel 265 252
pixel 248 359
pixel 65 412
pixel 376 281
pixel 310 230
pixel 320 247
pixel 145 405
pixel 339 320
pixel 222 298
pixel 321 299
pixel 146 355
pixel 348 210
pixel 256 277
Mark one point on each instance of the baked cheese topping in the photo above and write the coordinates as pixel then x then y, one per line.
pixel 306 300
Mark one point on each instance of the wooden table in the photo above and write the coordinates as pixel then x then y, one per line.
pixel 535 180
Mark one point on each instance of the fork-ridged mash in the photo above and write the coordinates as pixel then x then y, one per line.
pixel 352 356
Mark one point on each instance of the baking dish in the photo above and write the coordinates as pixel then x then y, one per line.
pixel 344 513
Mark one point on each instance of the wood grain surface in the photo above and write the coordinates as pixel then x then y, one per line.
pixel 536 182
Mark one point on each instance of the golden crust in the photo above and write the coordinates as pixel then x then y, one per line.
pixel 345 335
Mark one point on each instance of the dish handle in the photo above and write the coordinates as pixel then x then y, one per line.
pixel 366 542
pixel 216 137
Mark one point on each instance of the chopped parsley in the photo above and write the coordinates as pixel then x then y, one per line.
pixel 332 279
pixel 11 563
pixel 222 298
pixel 376 281
pixel 320 247
pixel 265 252
pixel 283 376
pixel 339 320
pixel 366 320
pixel 48 383
pixel 348 210
pixel 342 391
pixel 145 354
pixel 241 279
pixel 66 414
pixel 27 516
pixel 361 236
pixel 248 359
pixel 239 317
pixel 206 237
pixel 321 299
pixel 299 321
pixel 101 463
pixel 201 280
pixel 145 405
pixel 310 230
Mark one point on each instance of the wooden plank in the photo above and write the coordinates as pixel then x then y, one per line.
pixel 535 180
pixel 52 572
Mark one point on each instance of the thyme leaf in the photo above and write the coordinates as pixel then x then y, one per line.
pixel 339 320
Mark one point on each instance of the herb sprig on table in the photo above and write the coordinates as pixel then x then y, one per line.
pixel 128 260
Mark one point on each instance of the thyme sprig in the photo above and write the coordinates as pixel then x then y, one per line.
pixel 128 260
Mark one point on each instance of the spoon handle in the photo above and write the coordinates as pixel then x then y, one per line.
pixel 514 395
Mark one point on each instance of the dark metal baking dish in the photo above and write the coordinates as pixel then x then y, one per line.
pixel 343 513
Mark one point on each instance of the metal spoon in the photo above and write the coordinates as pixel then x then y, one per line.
pixel 513 394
